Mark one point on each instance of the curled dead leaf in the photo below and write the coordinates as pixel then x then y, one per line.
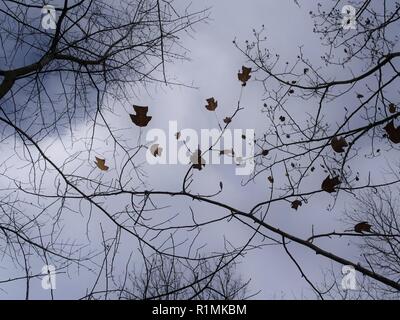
pixel 244 76
pixel 338 144
pixel 392 108
pixel 393 132
pixel 296 204
pixel 329 184
pixel 271 179
pixel 227 120
pixel 156 150
pixel 362 227
pixel 212 104
pixel 101 164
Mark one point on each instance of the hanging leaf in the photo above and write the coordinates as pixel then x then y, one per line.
pixel 282 118
pixel 392 108
pixel 212 104
pixel 306 70
pixel 156 150
pixel 197 161
pixel 393 132
pixel 228 120
pixel 244 76
pixel 178 135
pixel 329 184
pixel 296 204
pixel 101 164
pixel 271 179
pixel 360 96
pixel 338 144
pixel 141 119
pixel 221 185
pixel 362 227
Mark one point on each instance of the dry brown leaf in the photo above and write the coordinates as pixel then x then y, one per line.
pixel 212 104
pixel 393 132
pixel 296 204
pixel 392 108
pixel 329 184
pixel 271 179
pixel 338 144
pixel 244 76
pixel 101 164
pixel 362 227
pixel 228 120
pixel 141 119
pixel 178 135
pixel 156 150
